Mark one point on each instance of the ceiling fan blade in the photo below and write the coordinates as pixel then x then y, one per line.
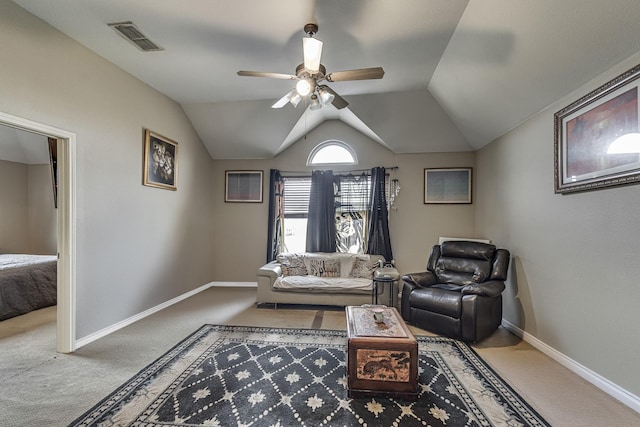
pixel 269 75
pixel 338 101
pixel 359 74
pixel 284 100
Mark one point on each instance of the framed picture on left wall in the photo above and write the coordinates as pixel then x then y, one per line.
pixel 160 161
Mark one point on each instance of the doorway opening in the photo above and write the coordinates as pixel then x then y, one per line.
pixel 65 226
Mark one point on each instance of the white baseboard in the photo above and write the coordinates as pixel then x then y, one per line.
pixel 234 284
pixel 126 322
pixel 597 380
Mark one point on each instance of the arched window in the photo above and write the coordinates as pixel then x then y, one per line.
pixel 332 152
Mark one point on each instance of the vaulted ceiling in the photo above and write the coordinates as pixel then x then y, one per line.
pixel 458 73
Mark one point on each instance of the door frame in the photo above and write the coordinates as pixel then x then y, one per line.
pixel 66 227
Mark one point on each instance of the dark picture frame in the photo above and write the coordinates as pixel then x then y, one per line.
pixel 597 139
pixel 448 185
pixel 243 186
pixel 160 161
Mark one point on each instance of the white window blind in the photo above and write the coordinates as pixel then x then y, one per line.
pixel 296 196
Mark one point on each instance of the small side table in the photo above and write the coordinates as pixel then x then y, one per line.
pixel 381 277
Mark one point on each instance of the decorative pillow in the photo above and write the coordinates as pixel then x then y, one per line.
pixel 362 268
pixel 325 267
pixel 292 264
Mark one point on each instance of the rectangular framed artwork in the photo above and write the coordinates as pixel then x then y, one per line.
pixel 243 187
pixel 447 186
pixel 597 140
pixel 160 161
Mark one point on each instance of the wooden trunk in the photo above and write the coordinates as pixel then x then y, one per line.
pixel 382 357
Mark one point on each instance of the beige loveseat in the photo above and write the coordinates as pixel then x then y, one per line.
pixel 320 279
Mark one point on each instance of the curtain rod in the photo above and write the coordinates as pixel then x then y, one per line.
pixel 339 172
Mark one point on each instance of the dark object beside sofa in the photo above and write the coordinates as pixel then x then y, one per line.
pixel 460 294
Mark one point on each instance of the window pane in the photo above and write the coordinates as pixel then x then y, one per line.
pixel 296 209
pixel 332 154
pixel 350 232
pixel 351 213
pixel 295 234
pixel 353 193
pixel 352 203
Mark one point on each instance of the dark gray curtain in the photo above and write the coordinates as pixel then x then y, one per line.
pixel 321 224
pixel 379 241
pixel 276 215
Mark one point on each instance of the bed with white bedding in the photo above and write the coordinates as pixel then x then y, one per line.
pixel 27 283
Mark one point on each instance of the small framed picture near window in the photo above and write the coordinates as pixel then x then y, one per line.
pixel 160 161
pixel 597 138
pixel 243 187
pixel 447 186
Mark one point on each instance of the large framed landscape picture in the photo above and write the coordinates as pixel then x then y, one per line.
pixel 597 139
pixel 160 161
pixel 447 186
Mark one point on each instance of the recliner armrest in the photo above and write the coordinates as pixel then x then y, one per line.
pixel 423 279
pixel 492 288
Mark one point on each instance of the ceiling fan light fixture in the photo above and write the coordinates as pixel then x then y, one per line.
pixel 312 52
pixel 303 87
pixel 315 104
pixel 325 96
pixel 295 99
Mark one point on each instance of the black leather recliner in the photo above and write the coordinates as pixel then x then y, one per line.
pixel 460 294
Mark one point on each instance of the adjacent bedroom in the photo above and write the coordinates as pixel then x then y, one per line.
pixel 28 247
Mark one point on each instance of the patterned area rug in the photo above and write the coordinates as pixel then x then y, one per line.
pixel 246 376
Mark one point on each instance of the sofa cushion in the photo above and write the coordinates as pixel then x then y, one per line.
pixel 292 264
pixel 324 267
pixel 311 283
pixel 344 260
pixel 362 268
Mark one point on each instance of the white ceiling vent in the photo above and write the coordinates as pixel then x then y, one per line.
pixel 129 31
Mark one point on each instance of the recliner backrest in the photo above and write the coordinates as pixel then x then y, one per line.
pixel 464 262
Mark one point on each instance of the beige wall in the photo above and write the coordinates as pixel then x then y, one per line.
pixel 42 212
pixel 136 246
pixel 14 235
pixel 27 212
pixel 241 228
pixel 574 277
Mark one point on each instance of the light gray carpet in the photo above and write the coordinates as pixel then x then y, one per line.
pixel 43 388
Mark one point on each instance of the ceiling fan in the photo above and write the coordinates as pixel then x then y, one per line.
pixel 311 73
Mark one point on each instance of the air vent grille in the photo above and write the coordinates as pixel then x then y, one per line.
pixel 129 31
